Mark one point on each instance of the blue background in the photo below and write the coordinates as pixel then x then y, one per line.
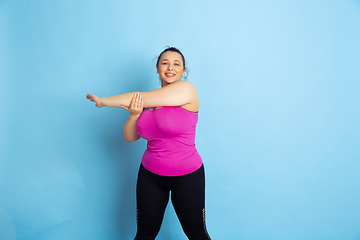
pixel 278 129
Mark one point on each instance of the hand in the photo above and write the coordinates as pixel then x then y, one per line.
pixel 95 99
pixel 136 105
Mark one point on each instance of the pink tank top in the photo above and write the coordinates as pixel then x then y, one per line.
pixel 170 132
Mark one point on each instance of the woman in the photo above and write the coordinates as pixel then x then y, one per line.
pixel 167 118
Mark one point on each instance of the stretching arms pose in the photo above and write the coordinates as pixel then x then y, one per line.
pixel 174 92
pixel 179 93
pixel 167 118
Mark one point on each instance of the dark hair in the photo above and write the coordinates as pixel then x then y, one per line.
pixel 173 49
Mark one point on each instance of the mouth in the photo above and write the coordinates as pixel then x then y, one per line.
pixel 170 75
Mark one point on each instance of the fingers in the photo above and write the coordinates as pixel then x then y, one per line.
pixel 133 101
pixel 137 102
pixel 141 103
pixel 136 105
pixel 90 97
pixel 124 107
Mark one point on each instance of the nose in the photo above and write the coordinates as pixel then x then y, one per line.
pixel 170 67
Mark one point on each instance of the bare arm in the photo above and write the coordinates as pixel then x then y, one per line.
pixel 176 94
pixel 129 130
pixel 135 109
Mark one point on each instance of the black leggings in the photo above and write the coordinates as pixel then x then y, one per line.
pixel 187 197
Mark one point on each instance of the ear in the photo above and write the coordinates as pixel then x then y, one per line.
pixel 184 72
pixel 157 69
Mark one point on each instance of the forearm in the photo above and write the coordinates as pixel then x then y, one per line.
pixel 150 99
pixel 117 100
pixel 129 130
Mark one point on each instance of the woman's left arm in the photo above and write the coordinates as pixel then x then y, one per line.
pixel 135 109
pixel 175 94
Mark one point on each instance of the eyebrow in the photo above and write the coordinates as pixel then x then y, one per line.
pixel 168 60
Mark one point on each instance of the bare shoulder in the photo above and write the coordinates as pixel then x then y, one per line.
pixel 191 92
pixel 185 85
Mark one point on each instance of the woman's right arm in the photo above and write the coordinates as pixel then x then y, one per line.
pixel 135 109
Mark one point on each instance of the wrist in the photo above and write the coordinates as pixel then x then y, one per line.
pixel 100 102
pixel 134 116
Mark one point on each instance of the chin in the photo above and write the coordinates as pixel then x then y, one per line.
pixel 170 82
pixel 177 80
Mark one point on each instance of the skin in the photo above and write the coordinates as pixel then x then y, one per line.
pixel 172 93
pixel 170 68
pixel 136 107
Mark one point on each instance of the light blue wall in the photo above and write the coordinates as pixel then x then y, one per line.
pixel 279 127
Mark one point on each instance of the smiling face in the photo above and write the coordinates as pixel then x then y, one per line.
pixel 170 67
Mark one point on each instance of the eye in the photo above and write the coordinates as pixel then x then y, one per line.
pixel 176 64
pixel 164 63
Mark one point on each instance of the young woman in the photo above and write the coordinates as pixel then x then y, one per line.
pixel 167 118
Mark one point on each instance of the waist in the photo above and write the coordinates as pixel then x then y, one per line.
pixel 172 163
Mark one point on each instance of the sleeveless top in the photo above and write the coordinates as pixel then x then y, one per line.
pixel 170 132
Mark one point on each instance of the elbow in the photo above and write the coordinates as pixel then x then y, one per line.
pixel 128 140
